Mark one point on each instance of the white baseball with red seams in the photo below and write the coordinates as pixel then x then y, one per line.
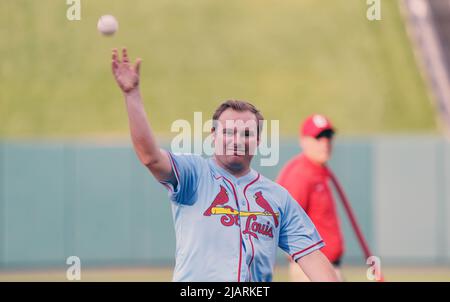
pixel 107 25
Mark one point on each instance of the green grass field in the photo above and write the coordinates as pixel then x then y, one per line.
pixel 290 58
pixel 350 273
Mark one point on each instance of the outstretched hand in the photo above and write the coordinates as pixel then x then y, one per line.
pixel 126 74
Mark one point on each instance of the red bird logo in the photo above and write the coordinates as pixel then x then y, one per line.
pixel 263 203
pixel 221 199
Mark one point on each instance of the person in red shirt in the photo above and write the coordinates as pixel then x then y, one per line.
pixel 306 178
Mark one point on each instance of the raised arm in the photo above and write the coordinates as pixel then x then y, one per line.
pixel 127 77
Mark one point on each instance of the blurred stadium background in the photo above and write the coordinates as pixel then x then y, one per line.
pixel 70 183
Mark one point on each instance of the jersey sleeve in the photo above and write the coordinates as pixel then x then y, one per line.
pixel 298 235
pixel 188 169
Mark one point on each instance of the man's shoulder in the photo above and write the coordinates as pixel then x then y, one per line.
pixel 295 172
pixel 191 157
pixel 273 186
pixel 189 161
pixel 281 195
pixel 296 164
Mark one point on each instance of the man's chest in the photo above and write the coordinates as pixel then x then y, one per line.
pixel 248 207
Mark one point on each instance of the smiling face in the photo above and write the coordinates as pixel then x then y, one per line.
pixel 235 139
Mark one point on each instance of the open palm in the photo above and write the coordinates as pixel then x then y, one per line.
pixel 126 74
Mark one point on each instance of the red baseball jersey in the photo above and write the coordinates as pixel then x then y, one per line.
pixel 307 182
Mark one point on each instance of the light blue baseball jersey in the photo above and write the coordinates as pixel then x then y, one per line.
pixel 228 228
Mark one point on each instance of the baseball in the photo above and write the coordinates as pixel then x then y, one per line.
pixel 107 25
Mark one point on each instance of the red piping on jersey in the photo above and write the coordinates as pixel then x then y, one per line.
pixel 250 237
pixel 304 250
pixel 176 174
pixel 167 186
pixel 240 233
pixel 175 166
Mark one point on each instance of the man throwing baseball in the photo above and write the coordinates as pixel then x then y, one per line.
pixel 229 219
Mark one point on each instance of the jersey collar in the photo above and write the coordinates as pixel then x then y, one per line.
pixel 251 175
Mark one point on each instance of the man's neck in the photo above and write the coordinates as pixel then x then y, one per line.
pixel 235 172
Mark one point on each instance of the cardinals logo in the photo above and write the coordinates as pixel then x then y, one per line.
pixel 220 200
pixel 230 216
pixel 263 203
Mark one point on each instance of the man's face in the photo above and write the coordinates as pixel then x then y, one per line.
pixel 235 139
pixel 318 149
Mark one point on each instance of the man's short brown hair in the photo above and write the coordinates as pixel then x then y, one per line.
pixel 240 106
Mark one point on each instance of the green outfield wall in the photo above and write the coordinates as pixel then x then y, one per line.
pixel 95 201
